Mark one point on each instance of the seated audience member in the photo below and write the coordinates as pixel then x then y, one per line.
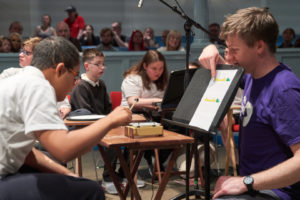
pixel 5 45
pixel 45 29
pixel 31 92
pixel 91 94
pixel 119 40
pixel 269 140
pixel 15 27
pixel 288 36
pixel 16 42
pixel 136 42
pixel 88 38
pixel 26 53
pixel 164 36
pixel 146 81
pixel 25 57
pixel 149 42
pixel 173 42
pixel 62 29
pixel 106 40
pixel 75 22
pixel 214 29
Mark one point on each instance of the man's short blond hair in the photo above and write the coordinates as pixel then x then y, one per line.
pixel 252 24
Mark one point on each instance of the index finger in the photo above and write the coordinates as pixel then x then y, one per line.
pixel 212 63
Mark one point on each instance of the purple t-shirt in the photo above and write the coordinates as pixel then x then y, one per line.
pixel 270 123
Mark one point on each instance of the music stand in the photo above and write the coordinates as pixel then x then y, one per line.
pixel 175 88
pixel 197 94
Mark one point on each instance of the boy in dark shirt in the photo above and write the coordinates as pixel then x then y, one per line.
pixel 91 95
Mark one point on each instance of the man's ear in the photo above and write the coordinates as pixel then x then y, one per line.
pixel 261 45
pixel 60 69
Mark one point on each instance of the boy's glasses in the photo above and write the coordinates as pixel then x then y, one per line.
pixel 75 74
pixel 98 65
pixel 25 52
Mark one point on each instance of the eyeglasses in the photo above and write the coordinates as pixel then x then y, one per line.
pixel 75 74
pixel 98 65
pixel 27 53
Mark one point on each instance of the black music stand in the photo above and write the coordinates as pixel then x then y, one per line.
pixel 198 91
pixel 206 136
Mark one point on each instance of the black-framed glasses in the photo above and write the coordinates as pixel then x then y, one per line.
pixel 25 52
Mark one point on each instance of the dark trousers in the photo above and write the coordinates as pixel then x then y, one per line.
pixel 48 186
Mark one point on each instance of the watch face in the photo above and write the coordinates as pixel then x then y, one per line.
pixel 248 180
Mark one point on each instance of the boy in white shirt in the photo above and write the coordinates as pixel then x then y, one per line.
pixel 28 112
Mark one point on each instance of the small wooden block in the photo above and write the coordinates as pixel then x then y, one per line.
pixel 143 131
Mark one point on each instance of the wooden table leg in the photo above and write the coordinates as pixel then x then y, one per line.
pixel 135 162
pixel 112 173
pixel 156 170
pixel 167 173
pixel 78 166
pixel 129 173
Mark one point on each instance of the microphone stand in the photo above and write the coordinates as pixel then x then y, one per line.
pixel 187 27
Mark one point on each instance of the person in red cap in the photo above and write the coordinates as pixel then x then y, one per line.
pixel 75 22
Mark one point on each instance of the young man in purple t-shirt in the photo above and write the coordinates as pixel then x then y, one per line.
pixel 269 145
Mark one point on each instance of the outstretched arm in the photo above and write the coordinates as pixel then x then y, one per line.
pixel 65 146
pixel 281 175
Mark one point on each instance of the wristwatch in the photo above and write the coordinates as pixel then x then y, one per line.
pixel 248 181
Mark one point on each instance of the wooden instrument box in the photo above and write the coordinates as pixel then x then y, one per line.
pixel 143 129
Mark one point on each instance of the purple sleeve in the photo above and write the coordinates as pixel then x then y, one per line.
pixel 286 120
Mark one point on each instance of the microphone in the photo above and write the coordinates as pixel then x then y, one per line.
pixel 140 3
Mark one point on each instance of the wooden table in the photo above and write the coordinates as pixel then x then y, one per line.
pixel 116 139
pixel 80 124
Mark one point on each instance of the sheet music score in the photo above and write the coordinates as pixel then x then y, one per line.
pixel 212 99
